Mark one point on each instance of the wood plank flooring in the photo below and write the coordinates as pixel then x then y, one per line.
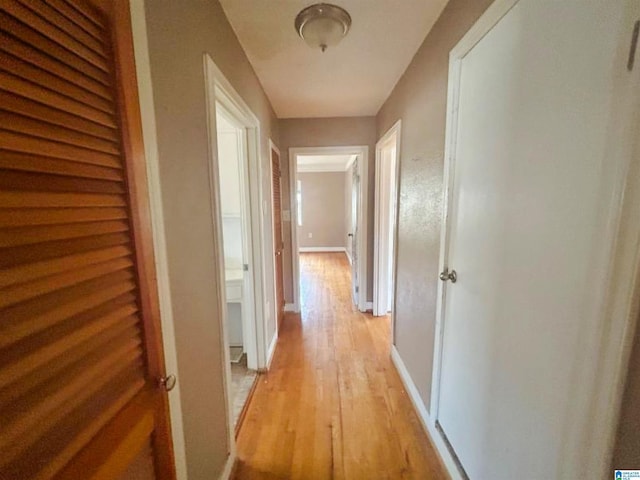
pixel 332 405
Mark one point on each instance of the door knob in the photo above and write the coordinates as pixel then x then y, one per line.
pixel 349 234
pixel 167 382
pixel 449 275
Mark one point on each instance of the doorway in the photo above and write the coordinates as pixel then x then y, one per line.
pixel 242 226
pixel 539 255
pixel 387 167
pixel 315 228
pixel 236 233
pixel 278 242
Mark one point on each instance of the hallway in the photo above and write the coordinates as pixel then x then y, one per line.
pixel 332 404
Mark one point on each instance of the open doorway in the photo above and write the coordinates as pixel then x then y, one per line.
pixel 247 299
pixel 236 233
pixel 386 199
pixel 328 201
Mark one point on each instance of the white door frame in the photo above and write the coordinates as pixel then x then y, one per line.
pixel 622 300
pixel 225 95
pixel 363 152
pixel 381 238
pixel 219 90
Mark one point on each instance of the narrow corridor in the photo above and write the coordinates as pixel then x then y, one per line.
pixel 332 405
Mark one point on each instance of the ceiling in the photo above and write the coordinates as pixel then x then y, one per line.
pixel 353 78
pixel 324 163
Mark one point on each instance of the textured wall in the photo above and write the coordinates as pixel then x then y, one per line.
pixel 323 214
pixel 419 99
pixel 325 132
pixel 178 36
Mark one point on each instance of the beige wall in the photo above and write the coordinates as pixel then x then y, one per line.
pixel 419 99
pixel 323 214
pixel 326 132
pixel 178 36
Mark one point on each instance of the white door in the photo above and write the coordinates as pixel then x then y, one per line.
pixel 355 194
pixel 532 181
pixel 393 201
pixel 384 229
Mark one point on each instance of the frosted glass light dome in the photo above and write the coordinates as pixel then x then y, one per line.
pixel 322 25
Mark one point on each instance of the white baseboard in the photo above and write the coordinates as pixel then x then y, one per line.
pixel 364 307
pixel 428 425
pixel 272 349
pixel 291 307
pixel 228 466
pixel 321 249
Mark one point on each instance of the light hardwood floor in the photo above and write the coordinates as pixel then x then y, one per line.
pixel 332 405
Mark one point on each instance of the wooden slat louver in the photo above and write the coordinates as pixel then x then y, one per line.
pixel 276 181
pixel 73 352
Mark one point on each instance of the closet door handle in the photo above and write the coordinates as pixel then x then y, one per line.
pixel 167 382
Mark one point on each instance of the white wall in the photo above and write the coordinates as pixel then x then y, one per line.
pixel 229 165
pixel 229 158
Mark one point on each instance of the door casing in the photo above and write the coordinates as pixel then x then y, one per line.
pixel 383 205
pixel 363 159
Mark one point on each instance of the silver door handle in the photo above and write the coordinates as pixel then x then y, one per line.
pixel 449 275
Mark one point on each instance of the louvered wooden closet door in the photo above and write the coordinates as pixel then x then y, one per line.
pixel 80 344
pixel 276 177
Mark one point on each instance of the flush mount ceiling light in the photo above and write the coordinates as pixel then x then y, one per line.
pixel 322 25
